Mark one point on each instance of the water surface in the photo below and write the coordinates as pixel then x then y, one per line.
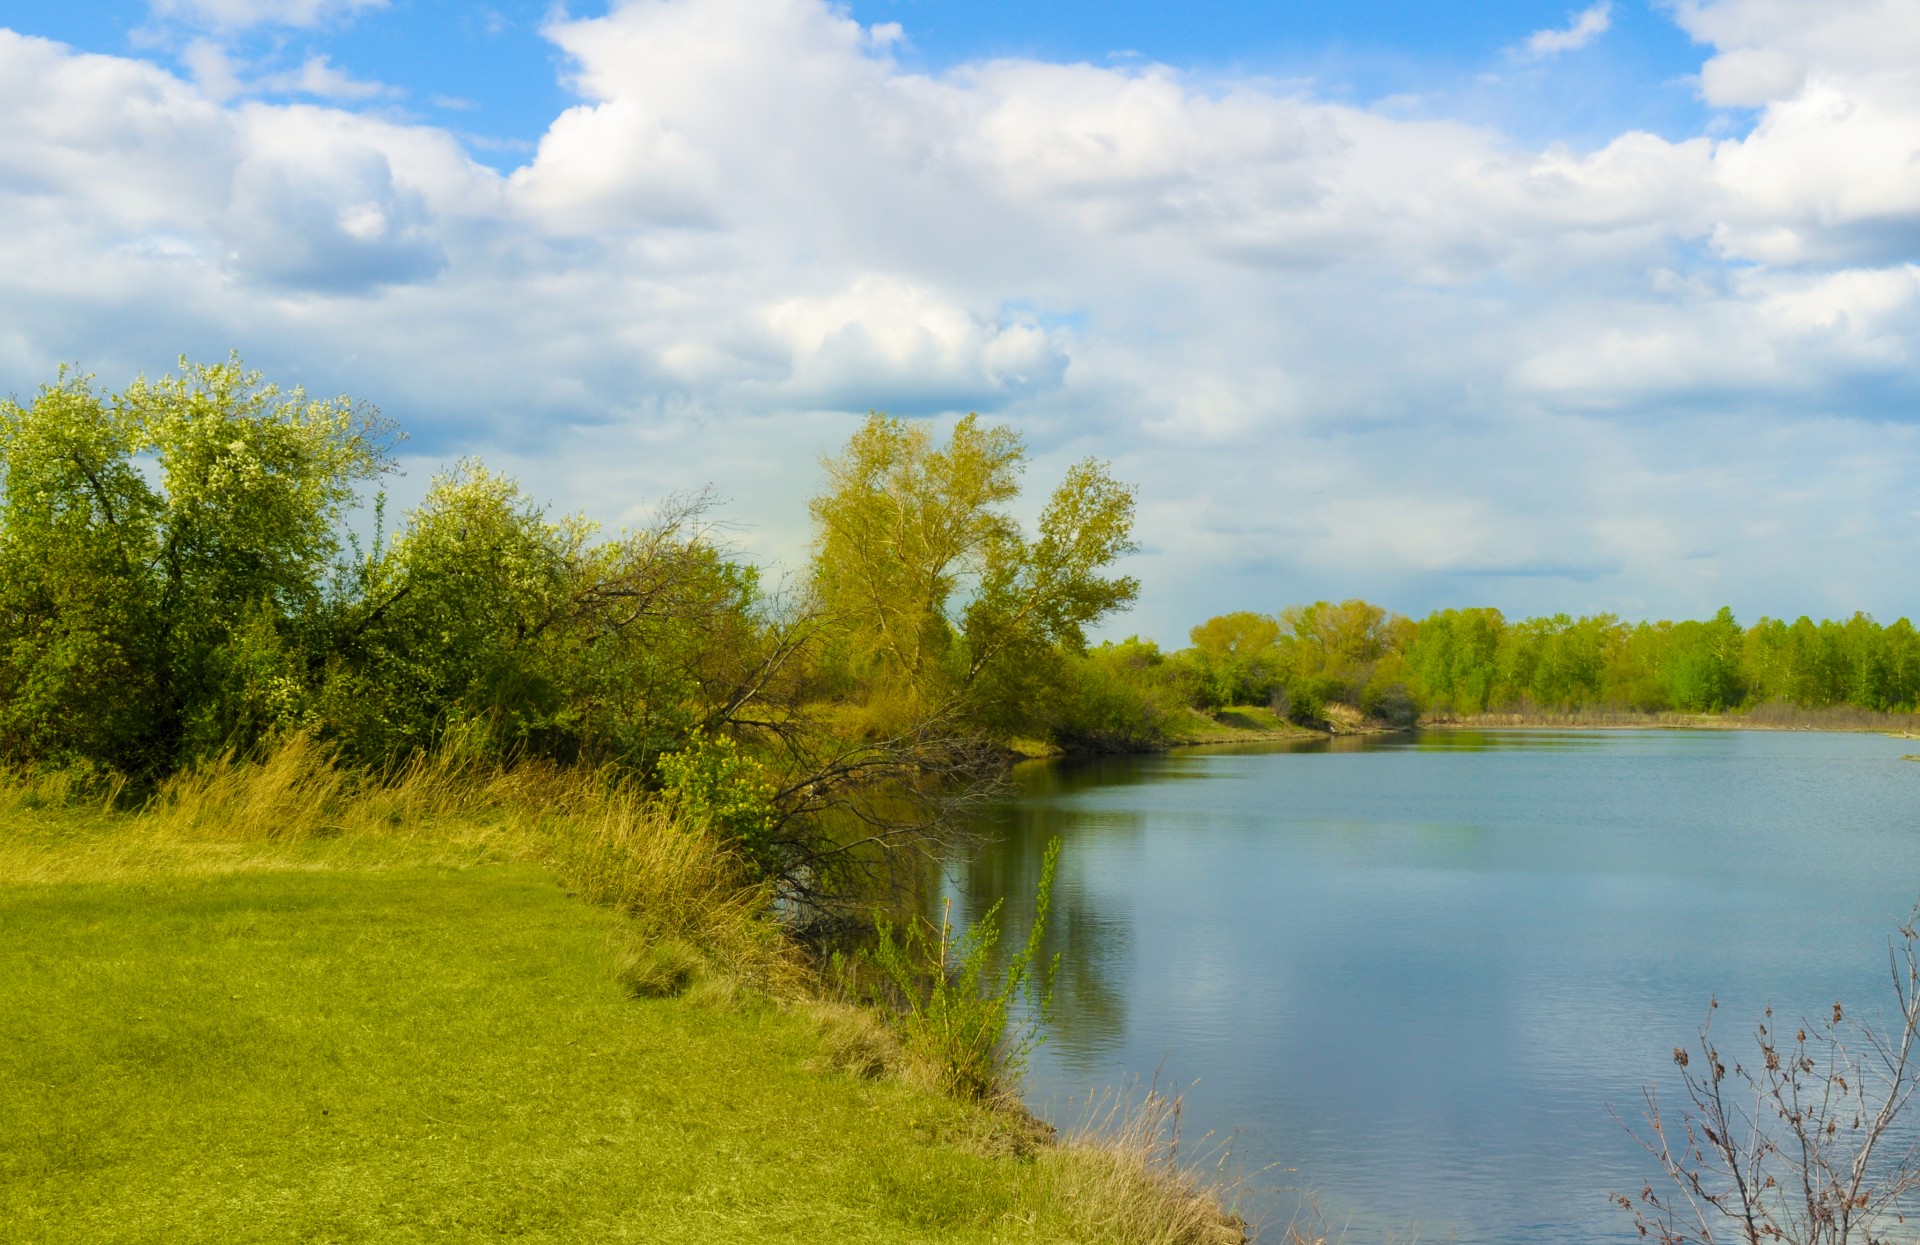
pixel 1412 974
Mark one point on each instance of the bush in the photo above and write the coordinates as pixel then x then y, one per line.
pixel 949 1009
pixel 1391 704
pixel 1110 706
pixel 1805 1144
pixel 711 784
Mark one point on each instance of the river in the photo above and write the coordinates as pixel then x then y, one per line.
pixel 1410 976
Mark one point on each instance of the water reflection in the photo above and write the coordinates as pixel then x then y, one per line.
pixel 1418 969
pixel 1092 936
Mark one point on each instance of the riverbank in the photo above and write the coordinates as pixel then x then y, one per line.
pixel 1245 724
pixel 1770 717
pixel 228 1024
pixel 1254 724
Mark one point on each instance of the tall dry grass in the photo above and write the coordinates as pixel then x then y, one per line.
pixel 690 905
pixel 1122 1171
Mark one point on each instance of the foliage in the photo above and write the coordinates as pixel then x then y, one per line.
pixel 1121 697
pixel 1813 1155
pixel 901 525
pixel 1236 659
pixel 940 598
pixel 178 581
pixel 1470 661
pixel 1301 660
pixel 148 618
pixel 951 1009
pixel 713 785
pixel 544 638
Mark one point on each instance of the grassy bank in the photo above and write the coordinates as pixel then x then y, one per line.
pixel 1235 724
pixel 272 1007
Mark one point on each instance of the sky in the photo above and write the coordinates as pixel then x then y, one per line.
pixel 1556 309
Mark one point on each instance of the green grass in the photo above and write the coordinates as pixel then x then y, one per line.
pixel 1234 724
pixel 281 1002
pixel 402 1053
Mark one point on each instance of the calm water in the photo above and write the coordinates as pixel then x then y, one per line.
pixel 1410 976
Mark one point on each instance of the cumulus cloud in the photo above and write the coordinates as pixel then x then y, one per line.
pixel 885 342
pixel 1581 29
pixel 1341 350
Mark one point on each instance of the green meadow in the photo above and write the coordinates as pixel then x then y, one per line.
pixel 419 1028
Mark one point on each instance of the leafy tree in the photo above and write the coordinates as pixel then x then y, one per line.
pixel 1453 659
pixel 1120 697
pixel 1238 659
pixel 1703 667
pixel 533 635
pixel 942 599
pixel 150 618
pixel 901 525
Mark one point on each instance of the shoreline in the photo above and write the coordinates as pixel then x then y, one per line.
pixel 1666 722
pixel 1219 731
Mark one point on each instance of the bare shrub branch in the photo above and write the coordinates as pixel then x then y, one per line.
pixel 1807 1145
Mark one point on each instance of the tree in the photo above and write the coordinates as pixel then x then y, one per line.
pixel 1330 651
pixel 144 621
pixel 1237 658
pixel 1453 658
pixel 940 596
pixel 1703 664
pixel 899 527
pixel 535 635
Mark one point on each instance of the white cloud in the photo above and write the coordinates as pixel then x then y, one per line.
pixel 1582 28
pixel 232 15
pixel 1341 350
pixel 317 77
pixel 1751 77
pixel 885 342
pixel 221 76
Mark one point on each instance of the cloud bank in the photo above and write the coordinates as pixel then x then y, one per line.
pixel 1341 350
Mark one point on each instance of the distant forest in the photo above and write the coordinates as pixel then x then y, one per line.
pixel 1471 661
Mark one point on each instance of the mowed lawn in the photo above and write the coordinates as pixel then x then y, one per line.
pixel 434 1054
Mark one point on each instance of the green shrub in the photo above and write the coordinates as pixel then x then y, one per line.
pixel 710 783
pixel 950 1008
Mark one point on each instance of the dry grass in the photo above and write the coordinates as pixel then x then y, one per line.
pixel 1122 1169
pixel 1119 1176
pixel 691 909
pixel 1771 716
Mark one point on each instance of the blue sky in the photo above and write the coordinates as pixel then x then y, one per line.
pixel 485 69
pixel 1608 307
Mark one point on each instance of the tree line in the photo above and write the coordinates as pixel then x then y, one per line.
pixel 180 579
pixel 1458 662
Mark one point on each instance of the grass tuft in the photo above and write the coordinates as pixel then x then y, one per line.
pixel 661 970
pixel 1122 1171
